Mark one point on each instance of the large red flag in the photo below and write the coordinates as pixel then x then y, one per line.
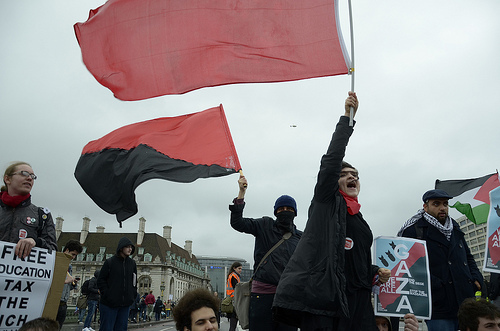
pixel 146 48
pixel 180 149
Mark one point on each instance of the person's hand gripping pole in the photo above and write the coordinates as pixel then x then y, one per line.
pixel 242 183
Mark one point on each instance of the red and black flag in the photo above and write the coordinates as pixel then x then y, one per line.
pixel 181 149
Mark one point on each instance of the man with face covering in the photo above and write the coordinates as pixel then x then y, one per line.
pixel 267 233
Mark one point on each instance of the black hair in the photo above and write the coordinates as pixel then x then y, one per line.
pixel 346 165
pixel 73 245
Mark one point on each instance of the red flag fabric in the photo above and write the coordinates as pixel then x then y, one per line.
pixel 180 149
pixel 146 48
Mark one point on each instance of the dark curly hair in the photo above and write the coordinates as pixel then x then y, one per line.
pixel 40 324
pixel 191 301
pixel 471 309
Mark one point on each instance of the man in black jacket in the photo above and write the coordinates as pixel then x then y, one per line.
pixel 92 300
pixel 117 284
pixel 454 273
pixel 267 232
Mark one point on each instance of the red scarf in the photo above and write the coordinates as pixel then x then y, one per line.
pixel 353 205
pixel 13 201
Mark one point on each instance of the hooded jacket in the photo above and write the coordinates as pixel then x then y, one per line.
pixel 117 281
pixel 314 279
pixel 388 320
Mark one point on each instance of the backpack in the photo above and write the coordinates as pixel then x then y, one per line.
pixel 81 303
pixel 85 287
pixel 227 305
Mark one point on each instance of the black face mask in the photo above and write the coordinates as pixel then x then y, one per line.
pixel 285 220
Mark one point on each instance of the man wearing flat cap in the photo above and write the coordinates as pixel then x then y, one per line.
pixel 454 273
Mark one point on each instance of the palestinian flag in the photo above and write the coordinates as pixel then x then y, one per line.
pixel 471 196
pixel 181 149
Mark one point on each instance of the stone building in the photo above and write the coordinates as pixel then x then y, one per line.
pixel 475 235
pixel 162 266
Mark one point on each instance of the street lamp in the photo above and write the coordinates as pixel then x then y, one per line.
pixel 162 288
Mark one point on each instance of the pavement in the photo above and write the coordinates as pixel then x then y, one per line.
pixel 78 327
pixel 72 326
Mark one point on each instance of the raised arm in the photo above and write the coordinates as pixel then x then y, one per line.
pixel 238 222
pixel 243 184
pixel 331 162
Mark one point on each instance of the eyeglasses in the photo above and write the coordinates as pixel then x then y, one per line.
pixel 353 173
pixel 25 173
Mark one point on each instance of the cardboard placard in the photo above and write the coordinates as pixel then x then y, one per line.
pixel 55 291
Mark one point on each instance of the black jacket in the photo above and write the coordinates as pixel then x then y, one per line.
pixel 452 267
pixel 117 280
pixel 158 306
pixel 35 221
pixel 314 279
pixel 93 294
pixel 266 235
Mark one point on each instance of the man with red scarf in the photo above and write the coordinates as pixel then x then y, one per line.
pixel 327 283
pixel 21 221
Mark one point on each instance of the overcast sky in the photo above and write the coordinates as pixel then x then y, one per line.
pixel 427 78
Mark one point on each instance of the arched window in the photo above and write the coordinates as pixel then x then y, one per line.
pixel 144 285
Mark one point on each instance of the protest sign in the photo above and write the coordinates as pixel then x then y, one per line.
pixel 24 284
pixel 492 256
pixel 55 292
pixel 409 287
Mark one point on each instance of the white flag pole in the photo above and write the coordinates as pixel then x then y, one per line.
pixel 351 70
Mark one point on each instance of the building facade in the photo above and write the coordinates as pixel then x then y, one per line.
pixel 163 267
pixel 475 235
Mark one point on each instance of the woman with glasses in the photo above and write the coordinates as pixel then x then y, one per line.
pixel 21 221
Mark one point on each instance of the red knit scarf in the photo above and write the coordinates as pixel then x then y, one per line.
pixel 13 201
pixel 353 205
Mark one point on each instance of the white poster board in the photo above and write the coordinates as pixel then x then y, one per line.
pixel 24 285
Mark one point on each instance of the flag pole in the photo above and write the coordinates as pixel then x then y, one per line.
pixel 351 70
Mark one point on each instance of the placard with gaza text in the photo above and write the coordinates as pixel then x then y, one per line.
pixel 492 255
pixel 408 289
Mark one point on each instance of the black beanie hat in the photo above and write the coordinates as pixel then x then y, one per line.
pixel 285 201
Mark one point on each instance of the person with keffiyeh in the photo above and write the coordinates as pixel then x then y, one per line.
pixel 22 222
pixel 454 273
pixel 328 281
